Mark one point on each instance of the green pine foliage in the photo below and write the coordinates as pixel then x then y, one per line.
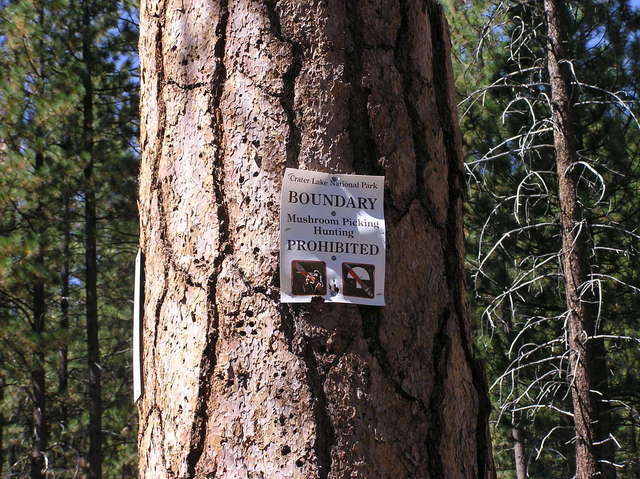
pixel 42 160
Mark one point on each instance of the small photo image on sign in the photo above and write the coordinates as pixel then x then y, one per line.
pixel 358 280
pixel 308 278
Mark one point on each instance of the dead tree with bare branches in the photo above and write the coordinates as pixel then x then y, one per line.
pixel 552 222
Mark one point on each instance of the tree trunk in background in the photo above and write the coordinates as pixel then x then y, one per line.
pixel 39 417
pixel 237 385
pixel 635 451
pixel 63 353
pixel 38 385
pixel 2 420
pixel 586 357
pixel 39 308
pixel 12 457
pixel 519 455
pixel 91 267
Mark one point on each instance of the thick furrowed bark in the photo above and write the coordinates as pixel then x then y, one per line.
pixel 237 385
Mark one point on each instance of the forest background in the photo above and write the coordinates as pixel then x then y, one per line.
pixel 69 229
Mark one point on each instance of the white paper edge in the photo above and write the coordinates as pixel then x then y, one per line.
pixel 286 298
pixel 137 320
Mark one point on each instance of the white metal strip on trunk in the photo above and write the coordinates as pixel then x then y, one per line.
pixel 137 325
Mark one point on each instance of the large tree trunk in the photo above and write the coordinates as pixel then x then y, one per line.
pixel 237 385
pixel 587 357
pixel 91 255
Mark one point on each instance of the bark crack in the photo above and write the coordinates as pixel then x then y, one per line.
pixel 325 433
pixel 293 317
pixel 440 360
pixel 156 188
pixel 288 95
pixel 403 62
pixel 364 148
pixel 186 86
pixel 371 320
pixel 251 289
pixel 208 358
pixel 454 270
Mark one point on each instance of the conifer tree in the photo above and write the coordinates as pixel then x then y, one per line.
pixel 514 216
pixel 236 384
pixel 47 98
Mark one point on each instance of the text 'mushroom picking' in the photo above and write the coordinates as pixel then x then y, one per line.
pixel 332 238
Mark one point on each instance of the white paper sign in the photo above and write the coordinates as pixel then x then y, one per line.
pixel 332 238
pixel 137 324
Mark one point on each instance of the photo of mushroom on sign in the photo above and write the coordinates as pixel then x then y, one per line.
pixel 358 280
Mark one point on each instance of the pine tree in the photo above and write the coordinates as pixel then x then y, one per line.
pixel 44 188
pixel 236 384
